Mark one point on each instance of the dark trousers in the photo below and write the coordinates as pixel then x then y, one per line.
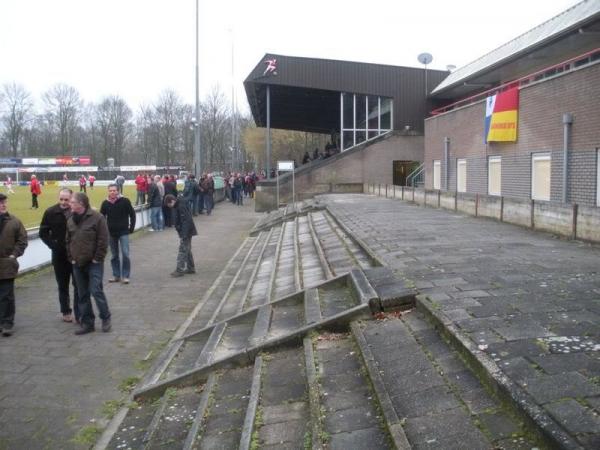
pixel 167 216
pixel 89 283
pixel 82 188
pixel 185 259
pixel 209 203
pixel 200 202
pixel 63 271
pixel 7 301
pixel 34 202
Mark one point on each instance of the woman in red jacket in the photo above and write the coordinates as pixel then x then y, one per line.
pixel 36 190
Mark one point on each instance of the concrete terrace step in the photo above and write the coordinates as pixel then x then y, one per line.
pixel 283 214
pixel 428 393
pixel 239 338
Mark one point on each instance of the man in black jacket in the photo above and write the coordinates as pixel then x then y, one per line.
pixel 53 230
pixel 184 224
pixel 120 218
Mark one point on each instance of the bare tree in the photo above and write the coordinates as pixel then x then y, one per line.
pixel 113 119
pixel 63 108
pixel 15 106
pixel 168 118
pixel 215 129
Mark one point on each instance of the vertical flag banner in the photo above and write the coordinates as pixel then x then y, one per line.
pixel 501 116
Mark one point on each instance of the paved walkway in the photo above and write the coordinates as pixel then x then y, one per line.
pixel 54 384
pixel 528 299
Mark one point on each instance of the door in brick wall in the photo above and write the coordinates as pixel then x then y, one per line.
pixel 401 170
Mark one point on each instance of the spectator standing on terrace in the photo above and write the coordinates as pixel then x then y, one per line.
pixel 208 185
pixel 120 217
pixel 156 193
pixel 87 242
pixel 306 158
pixel 170 184
pixel 184 224
pixel 13 241
pixel 91 179
pixel 53 230
pixel 82 183
pixel 316 154
pixel 120 181
pixel 36 190
pixel 141 188
pixel 238 186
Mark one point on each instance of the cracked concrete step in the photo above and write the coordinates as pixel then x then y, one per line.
pixel 336 297
pixel 428 393
pixel 260 289
pixel 285 279
pixel 340 257
pixel 362 259
pixel 274 218
pixel 346 415
pixel 235 297
pixel 311 267
pixel 282 414
pixel 223 419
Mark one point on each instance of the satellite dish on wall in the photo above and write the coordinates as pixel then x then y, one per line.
pixel 425 58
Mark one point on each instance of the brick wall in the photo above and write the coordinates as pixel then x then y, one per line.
pixel 540 129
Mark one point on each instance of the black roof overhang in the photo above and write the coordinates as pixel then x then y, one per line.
pixel 295 108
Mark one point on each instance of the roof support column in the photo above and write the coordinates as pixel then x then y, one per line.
pixel 567 122
pixel 268 131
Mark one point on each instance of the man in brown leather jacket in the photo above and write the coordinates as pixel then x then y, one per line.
pixel 87 243
pixel 13 241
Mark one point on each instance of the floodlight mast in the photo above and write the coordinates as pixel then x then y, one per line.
pixel 197 169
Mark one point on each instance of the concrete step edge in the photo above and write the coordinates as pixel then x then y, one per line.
pixel 254 272
pixel 313 394
pixel 535 418
pixel 246 437
pixel 319 248
pixel 202 406
pixel 392 421
pixel 206 355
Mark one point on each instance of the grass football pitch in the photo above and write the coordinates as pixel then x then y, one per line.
pixel 19 203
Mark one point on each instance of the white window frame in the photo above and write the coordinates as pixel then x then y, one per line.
pixel 437 174
pixel 494 160
pixel 540 157
pixel 597 176
pixel 461 162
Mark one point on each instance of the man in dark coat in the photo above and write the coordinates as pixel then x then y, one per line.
pixel 120 217
pixel 53 230
pixel 170 185
pixel 13 241
pixel 184 224
pixel 87 243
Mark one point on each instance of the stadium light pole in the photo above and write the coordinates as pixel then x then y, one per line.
pixel 197 151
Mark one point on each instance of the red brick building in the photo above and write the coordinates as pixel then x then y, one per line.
pixel 556 68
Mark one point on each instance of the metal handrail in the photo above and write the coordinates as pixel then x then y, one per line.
pixel 415 173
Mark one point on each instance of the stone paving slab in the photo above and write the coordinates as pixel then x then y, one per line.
pixel 520 295
pixel 53 384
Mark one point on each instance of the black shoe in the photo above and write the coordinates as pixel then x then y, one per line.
pixel 106 326
pixel 190 271
pixel 7 329
pixel 85 330
pixel 177 274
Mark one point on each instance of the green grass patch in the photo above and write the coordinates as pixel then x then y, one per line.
pixel 128 384
pixel 110 407
pixel 88 435
pixel 19 203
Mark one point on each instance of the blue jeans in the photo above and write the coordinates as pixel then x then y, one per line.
pixel 209 203
pixel 89 283
pixel 200 203
pixel 156 218
pixel 115 243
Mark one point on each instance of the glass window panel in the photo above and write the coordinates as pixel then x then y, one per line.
pixel 361 136
pixel 461 175
pixel 361 112
pixel 372 134
pixel 348 139
pixel 348 111
pixel 437 174
pixel 373 105
pixel 386 113
pixel 495 175
pixel 540 176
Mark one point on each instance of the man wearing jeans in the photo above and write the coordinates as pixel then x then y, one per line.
pixel 156 192
pixel 184 224
pixel 120 217
pixel 87 242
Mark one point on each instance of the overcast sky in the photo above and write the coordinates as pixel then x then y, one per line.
pixel 137 48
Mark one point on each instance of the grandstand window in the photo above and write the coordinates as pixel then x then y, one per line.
pixel 540 176
pixel 437 174
pixel 363 117
pixel 495 175
pixel 461 175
